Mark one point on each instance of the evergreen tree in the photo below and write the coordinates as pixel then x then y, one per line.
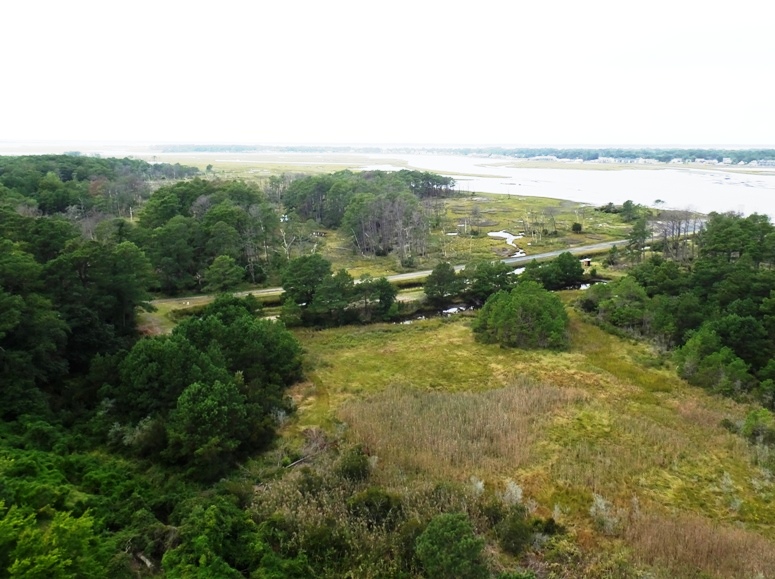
pixel 527 317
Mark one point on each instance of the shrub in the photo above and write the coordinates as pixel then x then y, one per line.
pixel 548 526
pixel 404 541
pixel 449 548
pixel 759 425
pixel 493 510
pixel 517 575
pixel 514 531
pixel 310 483
pixel 354 465
pixel 605 515
pixel 325 543
pixel 376 507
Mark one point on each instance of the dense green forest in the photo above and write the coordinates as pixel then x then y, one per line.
pixel 109 442
pixel 127 456
pixel 80 185
pixel 209 235
pixel 716 310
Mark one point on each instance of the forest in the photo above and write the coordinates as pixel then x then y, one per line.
pixel 331 443
pixel 716 310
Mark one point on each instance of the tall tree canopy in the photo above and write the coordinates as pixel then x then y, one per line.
pixel 713 310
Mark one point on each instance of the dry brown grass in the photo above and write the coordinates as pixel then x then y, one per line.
pixel 698 414
pixel 689 545
pixel 456 434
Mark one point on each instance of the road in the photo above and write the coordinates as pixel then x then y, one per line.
pixel 582 249
pixel 415 275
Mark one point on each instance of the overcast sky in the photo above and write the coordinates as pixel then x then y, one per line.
pixel 510 72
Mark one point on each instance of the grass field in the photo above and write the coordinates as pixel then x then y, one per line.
pixel 606 423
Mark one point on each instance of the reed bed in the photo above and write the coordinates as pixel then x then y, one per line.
pixel 687 544
pixel 456 434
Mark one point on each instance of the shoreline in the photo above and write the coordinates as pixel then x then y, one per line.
pixel 698 187
pixel 151 151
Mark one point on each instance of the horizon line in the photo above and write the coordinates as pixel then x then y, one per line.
pixel 242 143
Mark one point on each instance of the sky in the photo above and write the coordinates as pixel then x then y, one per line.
pixel 421 72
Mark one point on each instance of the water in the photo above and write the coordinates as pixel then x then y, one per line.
pixel 702 190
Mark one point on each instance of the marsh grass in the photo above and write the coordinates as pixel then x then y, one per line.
pixel 436 354
pixel 456 434
pixel 686 544
pixel 601 418
pixel 591 421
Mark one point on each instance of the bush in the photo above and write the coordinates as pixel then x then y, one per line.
pixel 449 548
pixel 759 426
pixel 605 516
pixel 376 507
pixel 354 465
pixel 527 317
pixel 514 531
pixel 404 541
pixel 548 526
pixel 493 510
pixel 517 575
pixel 310 483
pixel 325 543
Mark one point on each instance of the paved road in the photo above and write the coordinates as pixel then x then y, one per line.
pixel 415 275
pixel 582 249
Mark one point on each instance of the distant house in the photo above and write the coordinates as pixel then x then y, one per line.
pixel 586 262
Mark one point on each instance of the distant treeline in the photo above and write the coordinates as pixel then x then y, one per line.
pixel 24 172
pixel 55 183
pixel 280 149
pixel 664 155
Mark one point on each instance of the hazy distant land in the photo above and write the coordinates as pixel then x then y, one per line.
pixel 715 181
